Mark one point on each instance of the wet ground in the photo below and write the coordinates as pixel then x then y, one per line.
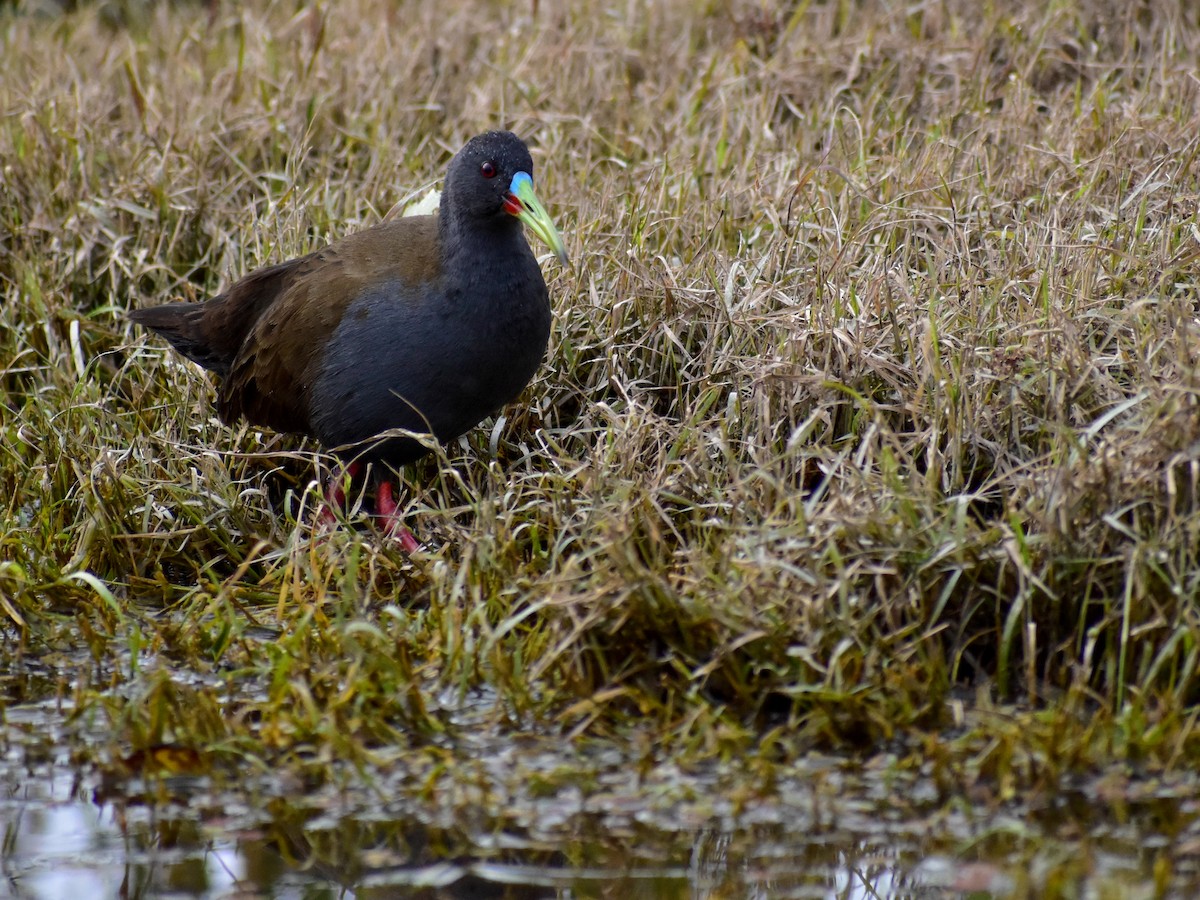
pixel 498 815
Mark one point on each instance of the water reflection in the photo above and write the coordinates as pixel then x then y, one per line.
pixel 821 868
pixel 76 837
pixel 59 844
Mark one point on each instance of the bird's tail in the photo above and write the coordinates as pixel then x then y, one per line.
pixel 183 325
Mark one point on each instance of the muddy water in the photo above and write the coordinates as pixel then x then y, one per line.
pixel 534 817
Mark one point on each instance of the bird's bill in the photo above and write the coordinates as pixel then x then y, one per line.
pixel 523 203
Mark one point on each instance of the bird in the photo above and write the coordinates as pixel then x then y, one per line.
pixel 426 324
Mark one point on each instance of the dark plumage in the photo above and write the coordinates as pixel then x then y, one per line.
pixel 429 323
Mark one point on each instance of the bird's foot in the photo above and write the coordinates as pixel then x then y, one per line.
pixel 387 510
pixel 335 496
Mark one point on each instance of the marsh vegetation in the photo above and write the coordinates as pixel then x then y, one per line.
pixel 869 425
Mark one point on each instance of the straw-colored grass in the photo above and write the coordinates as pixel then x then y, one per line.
pixel 873 379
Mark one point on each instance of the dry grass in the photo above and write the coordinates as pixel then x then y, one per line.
pixel 874 377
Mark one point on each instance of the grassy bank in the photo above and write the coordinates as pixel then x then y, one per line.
pixel 872 394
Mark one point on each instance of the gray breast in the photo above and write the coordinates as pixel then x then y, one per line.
pixel 427 360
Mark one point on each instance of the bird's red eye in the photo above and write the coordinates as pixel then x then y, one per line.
pixel 488 170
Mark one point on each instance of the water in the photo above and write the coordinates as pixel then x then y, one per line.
pixel 64 839
pixel 58 844
pixel 494 814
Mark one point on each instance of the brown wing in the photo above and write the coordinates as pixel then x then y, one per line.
pixel 211 332
pixel 271 376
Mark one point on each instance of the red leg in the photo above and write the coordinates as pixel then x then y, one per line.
pixel 386 509
pixel 335 495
